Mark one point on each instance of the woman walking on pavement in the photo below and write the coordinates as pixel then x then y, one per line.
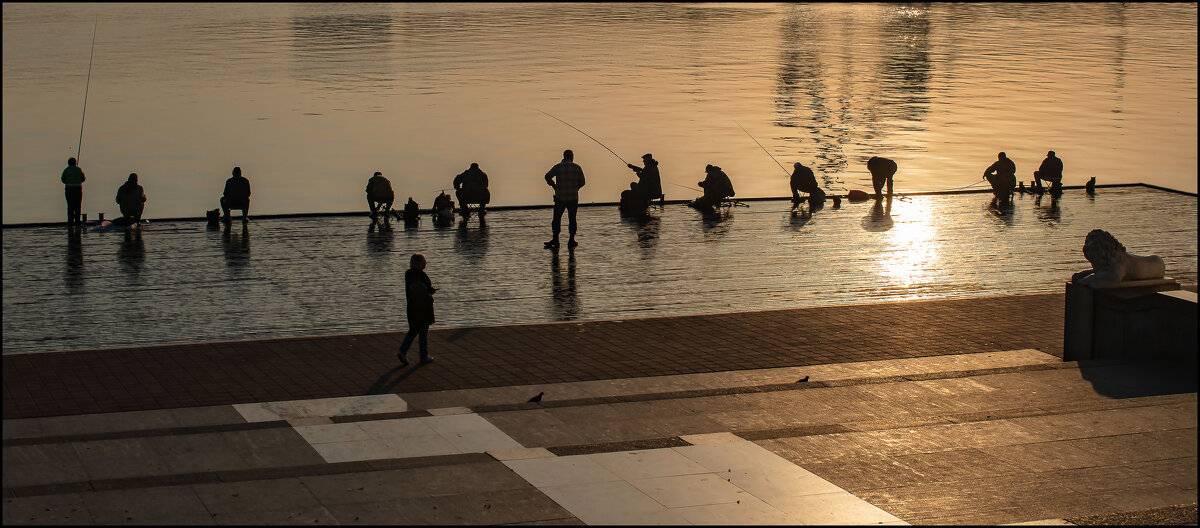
pixel 419 292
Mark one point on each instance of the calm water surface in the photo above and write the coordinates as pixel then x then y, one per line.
pixel 179 282
pixel 311 99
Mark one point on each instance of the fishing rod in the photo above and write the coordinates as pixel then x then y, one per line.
pixel 764 149
pixel 79 147
pixel 589 137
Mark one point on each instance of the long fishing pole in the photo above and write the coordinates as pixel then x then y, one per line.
pixel 589 137
pixel 79 147
pixel 764 149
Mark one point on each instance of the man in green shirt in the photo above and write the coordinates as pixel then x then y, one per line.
pixel 72 178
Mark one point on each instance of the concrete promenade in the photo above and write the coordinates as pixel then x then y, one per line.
pixel 929 412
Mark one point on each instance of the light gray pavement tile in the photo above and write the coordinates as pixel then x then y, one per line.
pixel 393 511
pixel 418 446
pixel 274 447
pixel 393 429
pixel 196 453
pixel 310 515
pixel 557 471
pixel 720 437
pixel 839 508
pixel 255 495
pixel 1046 456
pixel 120 458
pixel 772 484
pixel 600 432
pixel 457 423
pixel 649 463
pixel 22 428
pixel 356 450
pixel 162 506
pixel 67 509
pixel 32 465
pixel 721 458
pixel 498 507
pixel 1180 472
pixel 749 511
pixel 326 433
pixel 956 465
pixel 211 415
pixel 610 502
pixel 440 399
pixel 534 427
pixel 480 441
pixel 108 422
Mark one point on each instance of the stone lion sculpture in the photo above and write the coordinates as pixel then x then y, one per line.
pixel 1111 264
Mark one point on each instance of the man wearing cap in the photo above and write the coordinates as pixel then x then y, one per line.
pixel 380 195
pixel 717 187
pixel 1050 170
pixel 566 178
pixel 471 187
pixel 131 198
pixel 803 180
pixel 1003 176
pixel 649 182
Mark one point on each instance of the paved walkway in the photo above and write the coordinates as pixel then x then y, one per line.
pixel 163 377
pixel 851 425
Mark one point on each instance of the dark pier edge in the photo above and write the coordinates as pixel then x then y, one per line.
pixel 603 204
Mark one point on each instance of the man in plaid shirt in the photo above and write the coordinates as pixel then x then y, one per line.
pixel 566 178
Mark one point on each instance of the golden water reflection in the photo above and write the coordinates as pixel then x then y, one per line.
pixel 914 251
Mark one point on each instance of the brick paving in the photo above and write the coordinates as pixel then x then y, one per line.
pixel 193 375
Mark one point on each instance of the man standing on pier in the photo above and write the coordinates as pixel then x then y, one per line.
pixel 72 178
pixel 566 178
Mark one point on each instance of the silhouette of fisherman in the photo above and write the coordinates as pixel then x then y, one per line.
pixel 1050 170
pixel 471 187
pixel 380 196
pixel 803 180
pixel 418 292
pixel 443 209
pixel 412 212
pixel 132 200
pixel 236 196
pixel 633 201
pixel 72 178
pixel 882 171
pixel 717 187
pixel 566 178
pixel 649 182
pixel 1003 176
pixel 1090 187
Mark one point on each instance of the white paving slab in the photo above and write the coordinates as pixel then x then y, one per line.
pixel 630 465
pixel 520 454
pixel 611 502
pixel 837 508
pixel 350 405
pixel 406 438
pixel 723 482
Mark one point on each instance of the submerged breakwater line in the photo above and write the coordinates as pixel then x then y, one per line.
pixel 899 195
pixel 180 282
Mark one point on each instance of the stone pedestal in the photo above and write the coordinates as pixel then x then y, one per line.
pixel 1136 319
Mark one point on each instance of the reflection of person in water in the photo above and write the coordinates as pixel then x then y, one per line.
pixel 1003 176
pixel 880 217
pixel 803 180
pixel 1050 170
pixel 133 251
pixel 74 271
pixel 882 171
pixel 237 248
pixel 564 298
